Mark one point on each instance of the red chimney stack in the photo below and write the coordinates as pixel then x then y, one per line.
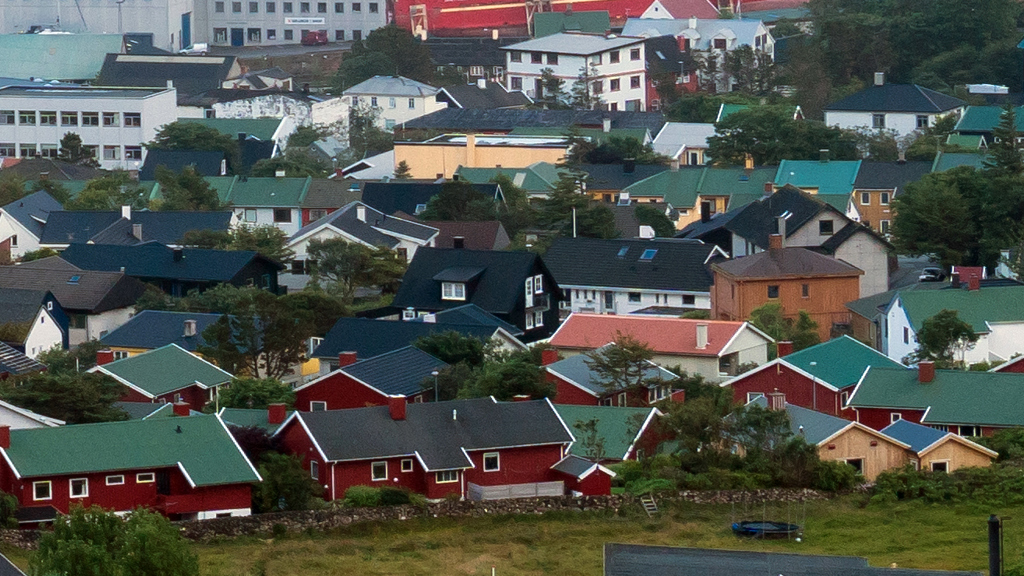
pixel 396 406
pixel 182 409
pixel 548 356
pixel 346 359
pixel 5 437
pixel 925 371
pixel 276 413
pixel 974 282
pixel 785 348
pixel 775 242
pixel 104 357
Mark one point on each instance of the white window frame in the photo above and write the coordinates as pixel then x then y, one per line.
pixel 538 284
pixel 883 198
pixel 408 314
pixel 449 476
pixel 314 403
pixel 35 490
pixel 529 321
pixel 145 478
pixel 453 291
pixel 931 465
pixel 538 319
pixel 249 215
pixel 497 457
pixel 895 417
pixel 407 465
pixel 373 471
pixel 865 196
pixel 115 480
pixel 84 482
pixel 314 470
pixel 623 400
pixel 751 396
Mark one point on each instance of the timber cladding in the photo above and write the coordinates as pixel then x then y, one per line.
pixel 955 455
pixel 855 444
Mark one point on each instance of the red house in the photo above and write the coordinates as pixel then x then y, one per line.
pixel 166 374
pixel 186 468
pixel 406 373
pixel 477 449
pixel 576 383
pixel 1015 365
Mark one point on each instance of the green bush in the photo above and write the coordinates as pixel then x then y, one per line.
pixel 626 471
pixel 833 476
pixel 993 486
pixel 362 496
pixel 394 496
pixel 645 485
pixel 721 479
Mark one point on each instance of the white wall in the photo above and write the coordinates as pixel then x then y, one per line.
pixel 1006 340
pixel 266 106
pixel 265 217
pixel 896 322
pixel 579 295
pixel 98 325
pixel 396 109
pixel 868 254
pixel 902 123
pixel 27 241
pixel 568 69
pixel 160 17
pixel 43 335
pixel 18 421
pixel 330 111
pixel 750 346
pixel 347 22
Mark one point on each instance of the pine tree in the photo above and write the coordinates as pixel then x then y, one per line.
pixel 402 171
pixel 1005 151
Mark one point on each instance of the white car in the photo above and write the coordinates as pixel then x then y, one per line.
pixel 196 49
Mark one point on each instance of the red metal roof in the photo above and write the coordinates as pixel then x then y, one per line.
pixel 675 336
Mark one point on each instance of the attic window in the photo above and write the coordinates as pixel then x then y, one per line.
pixel 420 208
pixel 453 291
pixel 622 251
pixel 74 279
pixel 648 254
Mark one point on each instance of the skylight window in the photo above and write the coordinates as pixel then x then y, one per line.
pixel 74 279
pixel 622 251
pixel 648 254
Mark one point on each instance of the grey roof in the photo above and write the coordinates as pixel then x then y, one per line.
pixel 626 222
pixel 745 31
pixel 33 211
pixel 15 362
pixel 108 227
pixel 377 229
pixel 155 260
pixel 470 314
pixel 403 196
pixel 392 86
pixel 815 427
pixel 890 175
pixel 573 465
pixel 78 92
pixel 7 568
pixel 190 74
pixel 907 98
pixel 618 176
pixel 20 305
pixel 676 265
pixel 575 43
pixel 640 560
pixel 505 120
pixel 52 169
pixel 676 135
pixel 492 96
pixel 369 338
pixel 917 436
pixel 792 261
pixel 153 329
pixel 400 372
pixel 575 368
pixel 143 410
pixel 330 193
pixel 76 290
pixel 436 432
pixel 468 51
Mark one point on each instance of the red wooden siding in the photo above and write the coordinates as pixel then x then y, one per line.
pixel 799 389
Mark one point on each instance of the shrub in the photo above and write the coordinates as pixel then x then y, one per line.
pixel 833 476
pixel 993 486
pixel 394 496
pixel 626 471
pixel 646 485
pixel 362 496
pixel 721 479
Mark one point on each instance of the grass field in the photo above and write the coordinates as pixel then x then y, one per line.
pixel 569 544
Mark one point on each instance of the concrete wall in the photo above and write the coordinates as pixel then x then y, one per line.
pixel 902 123
pixel 750 347
pixel 266 106
pixel 265 217
pixel 427 160
pixel 393 111
pixel 160 17
pixel 868 254
pixel 97 325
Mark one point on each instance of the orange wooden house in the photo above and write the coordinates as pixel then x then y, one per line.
pixel 796 278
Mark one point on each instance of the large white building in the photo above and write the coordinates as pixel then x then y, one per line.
pixel 900 108
pixel 395 99
pixel 268 22
pixel 618 62
pixel 113 122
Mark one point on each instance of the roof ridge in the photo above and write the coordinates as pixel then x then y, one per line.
pixel 930 100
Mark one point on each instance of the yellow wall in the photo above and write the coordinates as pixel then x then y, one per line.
pixel 856 443
pixel 956 455
pixel 428 159
pixel 130 351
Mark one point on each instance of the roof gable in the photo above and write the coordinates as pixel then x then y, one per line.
pixel 155 260
pixel 576 369
pixel 374 228
pixel 151 329
pixel 923 439
pixel 979 308
pixel 793 262
pixel 401 372
pixel 33 211
pixel 618 428
pixel 664 335
pixel 74 288
pixel 840 361
pixel 109 227
pixel 164 370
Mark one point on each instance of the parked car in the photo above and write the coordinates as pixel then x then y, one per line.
pixel 196 49
pixel 932 274
pixel 315 38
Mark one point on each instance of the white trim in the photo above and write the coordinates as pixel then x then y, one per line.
pixel 960 439
pixel 412 465
pixel 374 463
pixel 856 387
pixel 643 427
pixel 931 465
pixel 570 381
pixel 298 416
pixel 188 477
pixel 71 488
pixel 3 452
pixel 49 489
pixel 238 447
pixel 863 428
pixel 138 476
pixel 745 325
pixel 1007 363
pixel 483 459
pixel 437 480
pixel 107 481
pixel 559 416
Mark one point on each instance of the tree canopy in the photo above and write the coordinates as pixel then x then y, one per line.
pixel 387 51
pixel 944 339
pixel 343 266
pixel 459 200
pixel 182 135
pixel 770 135
pixel 186 191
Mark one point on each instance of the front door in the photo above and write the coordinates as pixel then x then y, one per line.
pixel 163 483
pixel 609 301
pixel 237 36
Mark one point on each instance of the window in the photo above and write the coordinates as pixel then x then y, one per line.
pixel 254 34
pixel 254 7
pixel 339 35
pixel 407 465
pixel 271 7
pixel 538 284
pixel 321 8
pixel 271 35
pixel 373 101
pixel 922 121
pixel 339 7
pixel 357 7
pixel 941 427
pixel 688 299
pixel 883 198
pixel 595 59
pixel 6 116
pixel 805 290
pixel 844 398
pixel 392 103
pixel 42 490
pixel 613 57
pixel 453 291
pixel 145 478
pixel 282 215
pixel 536 58
pixel 857 463
pixel 389 124
pixel 14 244
pixel 314 469
pixel 529 321
pixel 517 83
pixel 111 152
pixel 218 7
pixel 373 7
pixel 538 319
pixel 492 462
pixel 634 82
pixel 220 34
pixel 304 7
pixel 966 431
pixel 90 118
pixel 379 471
pixel 412 103
pixel 657 393
pixel 447 476
pixel 720 43
pixel 250 215
pixel 648 254
pixel 553 59
pixel 28 150
pixel 287 10
pixel 634 54
pixel 317 406
pixel 479 70
pixel 111 119
pixel 79 487
pixel 826 227
pixel 133 119
pixel 878 120
pixel 865 198
pixel 940 466
pixel 48 118
pixel 622 399
pixel 289 34
pixel 634 297
pixel 121 355
pixel 895 417
pixel 906 335
pixel 115 480
pixel 515 56
pixel 236 7
pixel 48 150
pixel 773 291
pixel 27 118
pixel 613 85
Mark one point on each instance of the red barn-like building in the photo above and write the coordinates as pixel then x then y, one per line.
pixel 166 374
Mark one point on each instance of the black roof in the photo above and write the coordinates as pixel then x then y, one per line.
pixel 470 314
pixel 890 175
pixel 368 337
pixel 157 261
pixel 676 264
pixel 493 95
pixel 205 162
pixel 640 560
pixel 20 304
pixel 463 119
pixel 51 169
pixel 392 197
pixel 109 227
pixel 13 361
pixel 436 432
pixel 663 55
pixel 618 176
pixel 401 371
pixel 151 329
pixel 376 228
pixel 199 74
pixel 468 51
pixel 907 98
pixel 33 211
pixel 497 288
pixel 76 289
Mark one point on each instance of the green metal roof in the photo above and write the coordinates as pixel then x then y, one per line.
pixel 734 180
pixel 726 109
pixel 201 445
pixel 985 118
pixel 681 188
pixel 617 427
pixel 840 361
pixel 966 141
pixel 952 397
pixel 835 177
pixel 262 128
pixel 165 370
pixel 56 56
pixel 246 417
pixel 596 134
pixel 266 192
pixel 677 187
pixel 548 23
pixel 976 307
pixel 949 160
pixel 537 177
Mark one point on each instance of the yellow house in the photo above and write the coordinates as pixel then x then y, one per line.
pixel 937 450
pixel 440 157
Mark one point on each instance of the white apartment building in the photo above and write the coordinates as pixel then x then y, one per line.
pixel 395 99
pixel 269 22
pixel 619 62
pixel 113 122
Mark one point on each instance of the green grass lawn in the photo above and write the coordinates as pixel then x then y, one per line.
pixel 569 544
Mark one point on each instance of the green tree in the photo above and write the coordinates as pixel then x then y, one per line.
pixel 619 149
pixel 452 347
pixel 515 213
pixel 286 485
pixel 186 191
pixel 591 441
pixel 253 393
pixel 365 135
pixel 802 331
pixel 78 359
pixel 387 51
pixel 507 376
pixel 459 200
pixel 324 308
pixel 76 398
pixel 402 171
pixel 875 145
pixel 770 135
pixel 1004 152
pixel 945 338
pixel 304 136
pixel 343 266
pixel 54 188
pixel 622 365
pixel 656 219
pixel 296 163
pixel 594 221
pixel 583 94
pixel 266 239
pixel 12 187
pixel 73 152
pixel 703 108
pixel 184 135
pixel 753 71
pixel 109 192
pixel 38 254
pixel 152 546
pixel 552 96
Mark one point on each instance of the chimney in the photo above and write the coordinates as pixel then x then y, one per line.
pixel 925 371
pixel 628 166
pixel 126 212
pixel 470 150
pixel 521 398
pixel 675 164
pixel 494 34
pixel 823 155
pixel 481 83
pixel 279 173
pixel 748 162
pixel 276 413
pixel 241 137
pixel 785 348
pixel 780 227
pixel 182 409
pixel 974 283
pixel 190 328
pixel 137 231
pixel 170 84
pixel 776 400
pixel 346 359
pixel 879 78
pixel 775 242
pixel 396 407
pixel 5 437
pixel 954 279
pixel 606 124
pixel 548 356
pixel 995 542
pixel 179 254
pixel 705 212
pixel 702 336
pixel 901 157
pixel 104 357
pixel 361 213
pixel 458 242
pixel 693 23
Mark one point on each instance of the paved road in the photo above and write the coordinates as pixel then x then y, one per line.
pixel 282 50
pixel 909 270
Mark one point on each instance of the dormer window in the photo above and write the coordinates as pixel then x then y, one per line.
pixel 453 291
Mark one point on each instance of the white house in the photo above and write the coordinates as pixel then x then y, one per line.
pixel 902 108
pixel 113 122
pixel 22 222
pixel 686 142
pixel 618 64
pixel 20 418
pixel 395 99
